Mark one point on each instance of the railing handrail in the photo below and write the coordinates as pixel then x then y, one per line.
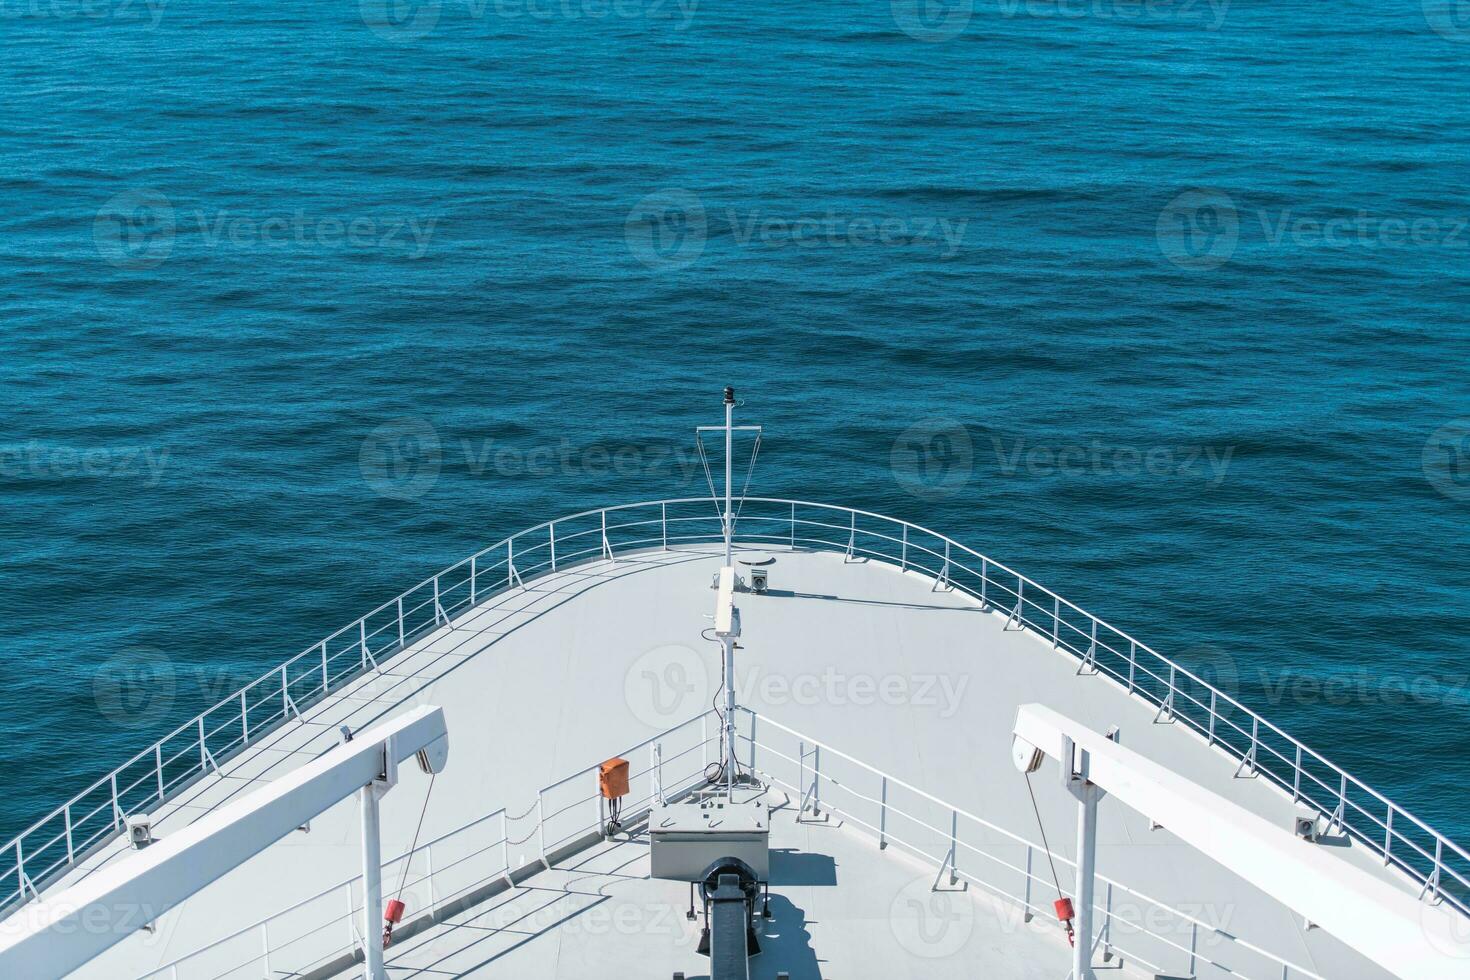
pixel 409 854
pixel 1430 880
pixel 888 781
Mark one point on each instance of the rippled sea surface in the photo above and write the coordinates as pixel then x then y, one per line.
pixel 1175 293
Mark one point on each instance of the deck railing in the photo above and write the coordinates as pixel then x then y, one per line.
pixel 455 867
pixel 1439 867
pixel 452 873
pixel 963 847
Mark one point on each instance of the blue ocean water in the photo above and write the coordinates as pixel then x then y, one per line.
pixel 1172 297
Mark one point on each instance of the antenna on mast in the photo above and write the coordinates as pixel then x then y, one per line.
pixel 727 616
pixel 728 508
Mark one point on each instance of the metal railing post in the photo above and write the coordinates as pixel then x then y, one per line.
pixel 400 621
pixel 793 524
pixel 663 524
pixel 816 780
pixel 203 750
pixel 244 718
pixel 541 823
pixel 362 640
pixel 883 815
pixel 505 842
pixel 1132 662
pixel 117 820
pixel 474 561
pixel 158 767
pixel 1026 901
pixel 326 679
pixel 954 847
pixel 657 772
pixel 801 772
pixel 351 914
pixel 904 566
pixel 70 854
pixel 552 528
pixel 751 760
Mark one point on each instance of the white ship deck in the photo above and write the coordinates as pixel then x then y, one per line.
pixel 875 662
pixel 837 910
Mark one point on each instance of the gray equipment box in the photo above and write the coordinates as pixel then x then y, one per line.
pixel 688 837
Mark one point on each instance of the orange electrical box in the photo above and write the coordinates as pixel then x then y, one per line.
pixel 612 778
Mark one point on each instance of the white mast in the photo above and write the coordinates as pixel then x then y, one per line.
pixel 729 456
pixel 727 617
pixel 727 639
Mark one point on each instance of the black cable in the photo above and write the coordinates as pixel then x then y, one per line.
pixel 1044 844
pixel 403 878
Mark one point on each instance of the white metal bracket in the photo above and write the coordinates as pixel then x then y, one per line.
pixel 946 865
pixel 1013 620
pixel 942 583
pixel 606 545
pixel 1089 659
pixel 1166 707
pixel 811 792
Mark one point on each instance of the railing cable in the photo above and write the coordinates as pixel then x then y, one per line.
pixel 1046 847
pixel 408 861
pixel 745 487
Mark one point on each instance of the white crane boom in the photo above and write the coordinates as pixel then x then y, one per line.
pixel 65 931
pixel 1385 923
